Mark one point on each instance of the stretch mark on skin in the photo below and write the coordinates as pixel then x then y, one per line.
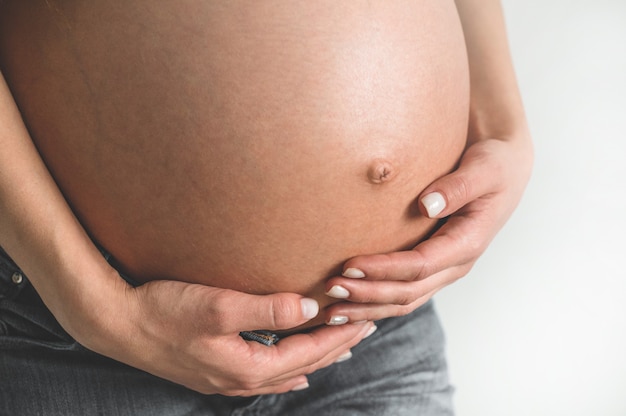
pixel 380 171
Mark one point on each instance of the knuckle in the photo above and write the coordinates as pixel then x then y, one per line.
pixel 460 189
pixel 464 270
pixel 409 265
pixel 235 392
pixel 218 302
pixel 474 246
pixel 388 266
pixel 381 266
pixel 405 299
pixel 421 266
pixel 219 319
pixel 404 310
pixel 424 269
pixel 243 382
pixel 409 296
pixel 365 297
pixel 284 311
pixel 248 385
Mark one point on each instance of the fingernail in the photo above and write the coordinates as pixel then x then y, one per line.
pixel 301 387
pixel 370 331
pixel 338 292
pixel 338 320
pixel 434 204
pixel 310 308
pixel 353 273
pixel 344 357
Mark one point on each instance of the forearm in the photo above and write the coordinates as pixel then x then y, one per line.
pixel 496 109
pixel 38 229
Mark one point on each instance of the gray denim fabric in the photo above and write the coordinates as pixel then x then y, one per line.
pixel 399 370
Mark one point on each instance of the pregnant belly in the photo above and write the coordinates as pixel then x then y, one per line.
pixel 254 148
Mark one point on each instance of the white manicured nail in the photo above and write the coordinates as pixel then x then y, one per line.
pixel 301 387
pixel 353 273
pixel 344 357
pixel 434 204
pixel 338 292
pixel 338 320
pixel 371 331
pixel 310 308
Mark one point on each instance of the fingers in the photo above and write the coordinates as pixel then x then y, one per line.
pixel 305 353
pixel 476 201
pixel 202 325
pixel 236 311
pixel 349 312
pixel 477 176
pixel 396 283
pixel 399 293
pixel 459 242
pixel 285 365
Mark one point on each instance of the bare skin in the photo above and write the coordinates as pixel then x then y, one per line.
pixel 98 309
pixel 477 198
pixel 245 147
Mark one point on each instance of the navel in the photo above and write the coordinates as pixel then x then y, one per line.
pixel 380 171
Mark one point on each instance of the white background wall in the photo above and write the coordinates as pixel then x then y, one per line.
pixel 539 326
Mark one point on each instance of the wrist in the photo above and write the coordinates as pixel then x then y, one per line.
pixel 83 292
pixel 99 311
pixel 499 117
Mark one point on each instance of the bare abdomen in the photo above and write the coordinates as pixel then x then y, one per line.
pixel 254 148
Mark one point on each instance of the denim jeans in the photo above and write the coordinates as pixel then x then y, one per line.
pixel 399 370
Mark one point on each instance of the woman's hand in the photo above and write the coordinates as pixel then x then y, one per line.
pixel 189 334
pixel 478 198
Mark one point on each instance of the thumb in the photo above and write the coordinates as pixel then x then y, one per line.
pixel 474 178
pixel 279 311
